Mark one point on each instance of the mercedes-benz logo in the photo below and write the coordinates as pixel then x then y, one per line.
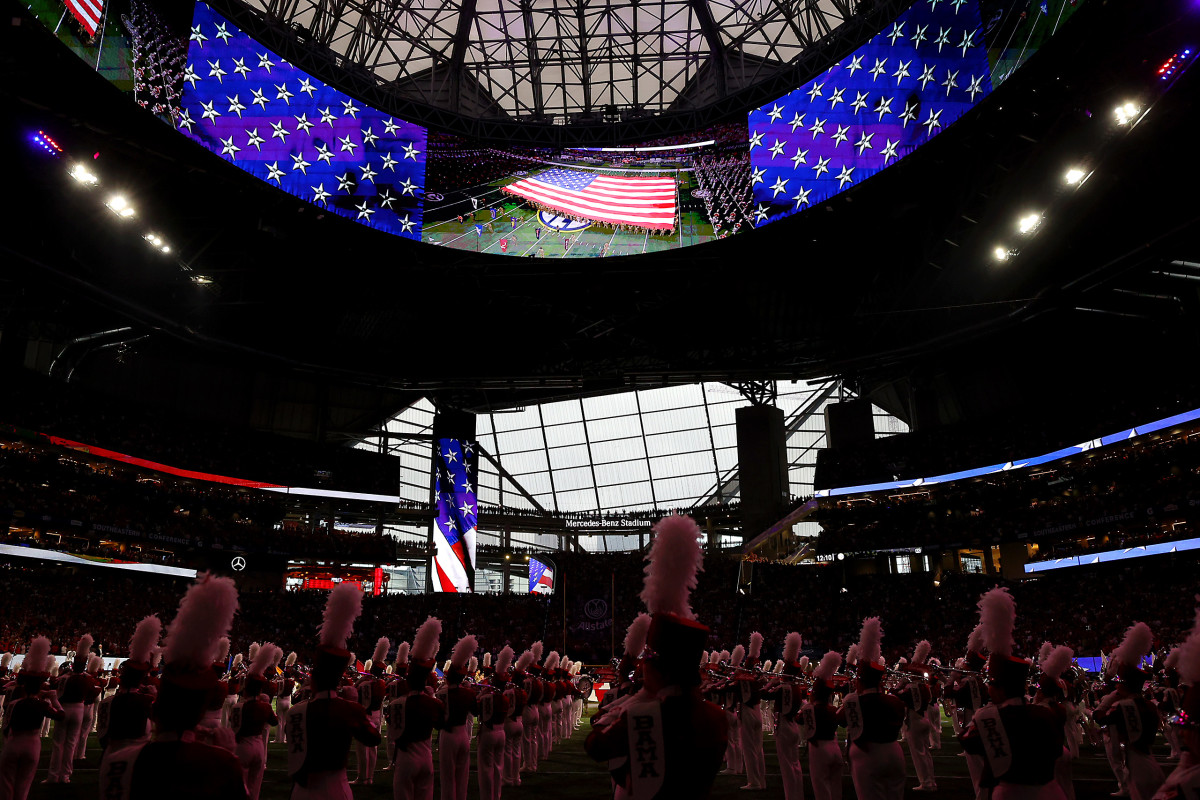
pixel 238 564
pixel 596 608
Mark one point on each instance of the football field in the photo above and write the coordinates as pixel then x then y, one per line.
pixel 517 231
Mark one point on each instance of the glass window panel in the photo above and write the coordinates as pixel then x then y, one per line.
pixel 581 500
pixel 617 450
pixel 726 459
pixel 575 456
pixel 524 463
pixel 514 420
pixel 625 472
pixel 613 428
pixel 670 397
pixel 568 479
pixel 614 405
pixel 676 491
pixel 559 435
pixel 682 442
pixel 687 464
pixel 519 442
pixel 554 413
pixel 674 420
pixel 628 496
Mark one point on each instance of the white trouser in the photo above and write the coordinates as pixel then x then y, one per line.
pixel 1062 774
pixel 878 773
pixel 18 764
pixel 412 775
pixel 825 767
pixel 529 738
pixel 1145 775
pixel 85 730
pixel 934 715
pixel 918 748
pixel 576 712
pixel 253 757
pixel 454 761
pixel 490 758
pixel 1112 749
pixel 513 729
pixel 750 720
pixel 281 709
pixel 324 786
pixel 733 747
pixel 787 747
pixel 367 756
pixel 545 731
pixel 66 739
pixel 975 765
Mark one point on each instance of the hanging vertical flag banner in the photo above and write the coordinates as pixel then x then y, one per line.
pixel 454 527
pixel 541 577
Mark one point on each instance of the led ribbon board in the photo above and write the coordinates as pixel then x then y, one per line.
pixel 271 119
pixel 454 527
pixel 890 96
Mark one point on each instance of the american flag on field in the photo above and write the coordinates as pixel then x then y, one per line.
pixel 541 577
pixel 454 527
pixel 88 12
pixel 644 202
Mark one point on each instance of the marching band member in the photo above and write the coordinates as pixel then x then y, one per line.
pixel 415 716
pixel 546 706
pixel 667 741
pixel 320 728
pixel 95 666
pixel 872 721
pixel 917 697
pixel 492 706
pixel 788 698
pixel 283 698
pixel 30 703
pixel 173 764
pixel 1184 780
pixel 531 719
pixel 371 691
pixel 735 759
pixel 124 717
pixel 1126 712
pixel 749 716
pixel 819 727
pixel 1020 742
pixel 251 717
pixel 454 741
pixel 515 741
pixel 74 692
pixel 1052 693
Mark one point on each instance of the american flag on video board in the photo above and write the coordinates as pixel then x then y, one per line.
pixel 541 577
pixel 88 12
pixel 644 202
pixel 457 508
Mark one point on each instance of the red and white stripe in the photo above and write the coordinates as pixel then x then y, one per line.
pixel 646 202
pixel 88 12
pixel 450 561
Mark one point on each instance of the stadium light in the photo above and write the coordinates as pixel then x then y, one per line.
pixel 201 280
pixel 1028 222
pixel 120 206
pixel 80 173
pixel 1074 175
pixel 1001 254
pixel 1126 113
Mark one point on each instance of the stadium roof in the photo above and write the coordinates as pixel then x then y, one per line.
pixel 892 280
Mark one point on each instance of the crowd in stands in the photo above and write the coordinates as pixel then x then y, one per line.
pixel 1081 608
pixel 36 403
pixel 1122 495
pixel 44 494
pixel 728 193
pixel 456 164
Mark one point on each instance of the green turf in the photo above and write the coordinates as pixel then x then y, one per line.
pixel 569 773
pixel 590 243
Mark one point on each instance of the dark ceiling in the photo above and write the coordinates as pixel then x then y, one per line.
pixel 888 285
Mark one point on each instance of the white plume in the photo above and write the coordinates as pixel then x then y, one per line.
pixel 425 643
pixel 675 559
pixel 38 658
pixel 291 660
pixel 252 650
pixel 263 659
pixel 737 656
pixel 237 659
pixel 551 661
pixel 524 662
pixel 756 642
pixel 998 616
pixel 766 667
pixel 791 647
pixel 921 654
pixel 1056 661
pixel 342 608
pixel 473 665
pixel 205 614
pixel 487 659
pixel 828 666
pixel 536 648
pixel 504 659
pixel 84 647
pixel 1137 643
pixel 852 655
pixel 5 660
pixel 1189 654
pixel 1044 652
pixel 95 663
pixel 635 636
pixel 870 640
pixel 381 650
pixel 463 649
pixel 975 640
pixel 145 637
pixel 401 654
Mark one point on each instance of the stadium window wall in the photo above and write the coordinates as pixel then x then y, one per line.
pixel 664 448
